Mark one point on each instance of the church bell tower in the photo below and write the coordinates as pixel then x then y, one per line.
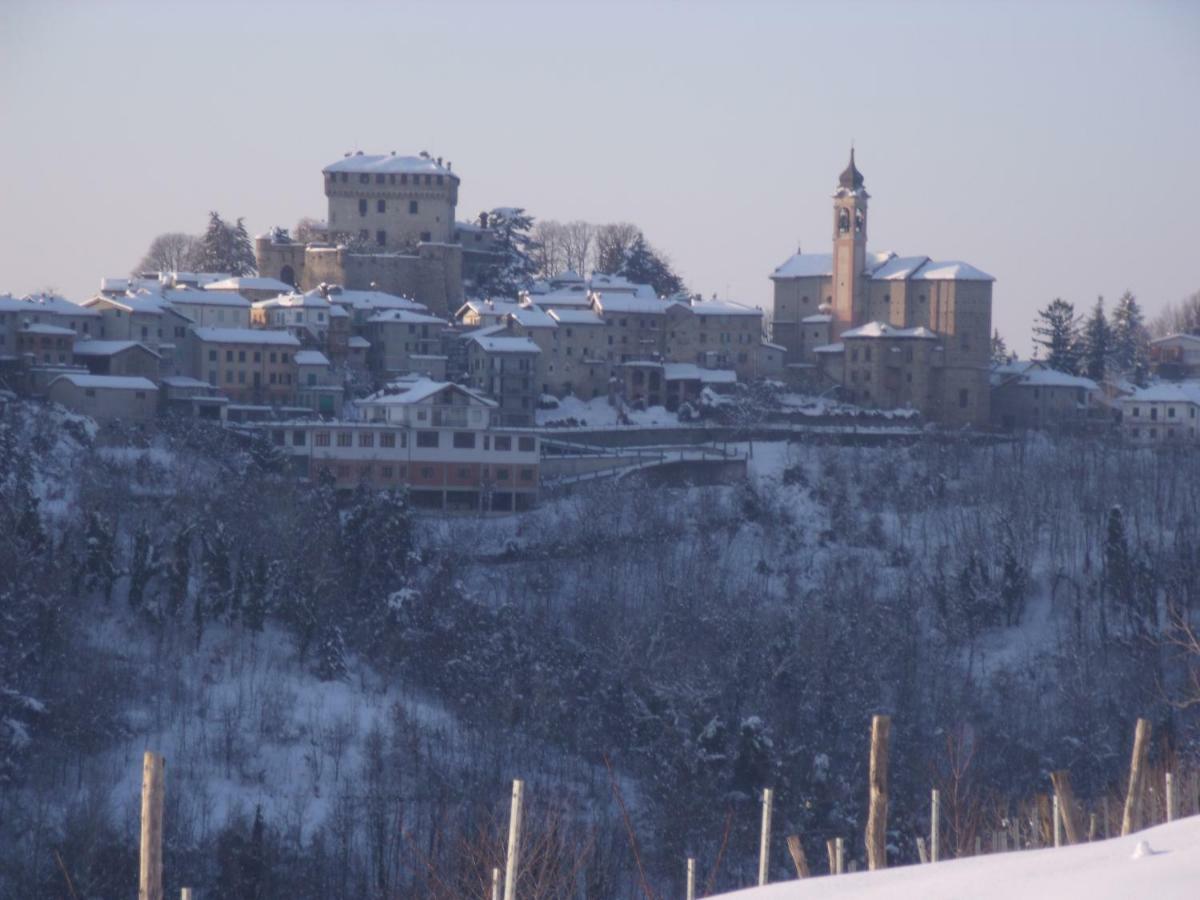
pixel 849 250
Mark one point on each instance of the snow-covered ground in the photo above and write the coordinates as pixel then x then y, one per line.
pixel 599 413
pixel 1161 863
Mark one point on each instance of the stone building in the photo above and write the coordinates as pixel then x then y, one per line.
pixel 391 227
pixel 105 397
pixel 820 297
pixel 1028 394
pixel 249 365
pixel 506 368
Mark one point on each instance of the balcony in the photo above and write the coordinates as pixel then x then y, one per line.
pixel 453 417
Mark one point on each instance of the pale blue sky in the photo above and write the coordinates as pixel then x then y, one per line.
pixel 1054 145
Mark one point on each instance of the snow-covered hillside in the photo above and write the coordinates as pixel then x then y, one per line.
pixel 1162 863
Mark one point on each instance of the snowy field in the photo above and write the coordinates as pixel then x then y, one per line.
pixel 1161 863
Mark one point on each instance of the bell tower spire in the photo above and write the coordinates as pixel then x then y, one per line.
pixel 849 249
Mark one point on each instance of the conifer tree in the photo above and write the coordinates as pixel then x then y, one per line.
pixel 1096 343
pixel 1130 340
pixel 999 349
pixel 225 248
pixel 644 265
pixel 1056 329
pixel 515 266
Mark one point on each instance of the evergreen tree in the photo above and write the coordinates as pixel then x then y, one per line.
pixel 1130 340
pixel 143 564
pixel 515 267
pixel 100 570
pixel 179 570
pixel 225 248
pixel 1096 343
pixel 644 265
pixel 999 349
pixel 1056 329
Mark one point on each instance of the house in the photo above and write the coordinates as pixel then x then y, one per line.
pixel 118 358
pixel 714 334
pixel 316 385
pixel 310 317
pixel 1031 395
pixel 46 344
pixel 1176 356
pixel 209 309
pixel 182 395
pixel 636 325
pixel 443 442
pixel 249 365
pixel 577 359
pixel 145 317
pixel 253 288
pixel 105 397
pixel 1162 414
pixel 363 304
pixel 396 336
pixel 506 368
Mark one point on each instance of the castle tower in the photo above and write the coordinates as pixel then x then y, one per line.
pixel 849 250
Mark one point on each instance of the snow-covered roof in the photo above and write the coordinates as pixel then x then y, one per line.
pixel 358 342
pixel 883 329
pixel 199 297
pixel 569 296
pixel 405 316
pixel 250 283
pixel 567 276
pixel 830 348
pixel 533 317
pixel 404 393
pixel 184 381
pixel 898 268
pixel 575 317
pixel 107 348
pixel 388 164
pixel 246 336
pixel 1180 392
pixel 693 372
pixel 308 300
pixel 40 328
pixel 1179 338
pixel 951 270
pixel 717 308
pixel 368 300
pixel 505 344
pixel 619 284
pixel 818 319
pixel 805 265
pixel 1044 377
pixel 139 301
pixel 498 306
pixel 629 303
pixel 772 346
pixel 108 382
pixel 56 303
pixel 310 358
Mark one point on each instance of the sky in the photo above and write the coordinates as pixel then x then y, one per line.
pixel 1052 144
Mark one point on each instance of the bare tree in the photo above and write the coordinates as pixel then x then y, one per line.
pixel 173 251
pixel 549 256
pixel 1179 318
pixel 613 243
pixel 309 230
pixel 578 241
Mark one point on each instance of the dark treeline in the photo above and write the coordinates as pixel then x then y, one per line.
pixel 1006 605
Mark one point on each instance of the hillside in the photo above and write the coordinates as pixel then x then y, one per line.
pixel 1162 862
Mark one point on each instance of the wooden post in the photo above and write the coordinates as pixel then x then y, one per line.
pixel 1092 830
pixel 1066 804
pixel 831 849
pixel 799 860
pixel 514 841
pixel 691 878
pixel 840 847
pixel 185 894
pixel 764 839
pixel 1137 764
pixel 1170 799
pixel 921 851
pixel 934 842
pixel 877 813
pixel 496 883
pixel 1057 822
pixel 150 886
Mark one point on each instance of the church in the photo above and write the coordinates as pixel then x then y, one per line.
pixel 883 330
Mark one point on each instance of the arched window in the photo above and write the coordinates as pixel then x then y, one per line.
pixel 287 275
pixel 858 220
pixel 843 221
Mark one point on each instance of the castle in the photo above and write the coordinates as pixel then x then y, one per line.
pixel 888 331
pixel 391 227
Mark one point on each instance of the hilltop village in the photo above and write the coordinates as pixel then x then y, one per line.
pixel 368 350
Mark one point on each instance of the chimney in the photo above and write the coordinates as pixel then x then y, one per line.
pixel 483 219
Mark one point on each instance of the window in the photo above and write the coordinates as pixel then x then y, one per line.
pixel 362 207
pixel 463 474
pixel 527 474
pixel 321 439
pixel 90 392
pixel 366 439
pixel 258 356
pixel 364 179
pixel 502 474
pixel 381 238
pixel 381 206
pixel 298 438
pixel 526 444
pixel 241 356
pixel 464 440
pixel 344 439
pixel 386 471
pixel 228 356
pixel 404 179
pixel 439 179
pixel 503 443
pixel 963 398
pixel 242 376
pixel 427 438
pixel 212 355
pixel 387 440
pixel 1170 412
pixel 426 236
pixel 412 207
pixel 379 180
pixel 426 472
